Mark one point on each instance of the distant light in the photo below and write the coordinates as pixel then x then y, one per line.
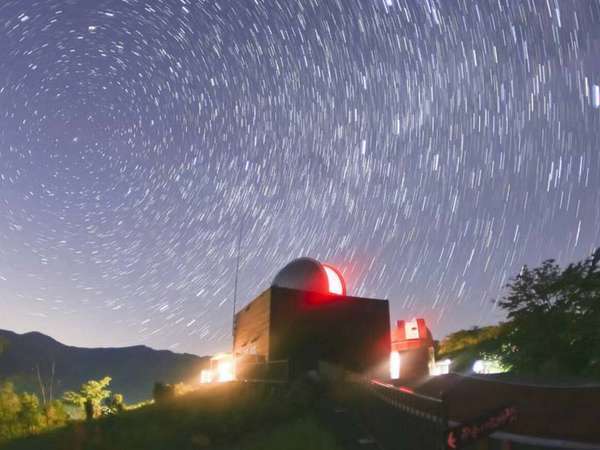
pixel 478 366
pixel 596 96
pixel 225 371
pixel 222 367
pixel 334 280
pixel 206 376
pixel 394 365
pixel 440 367
pixel 488 366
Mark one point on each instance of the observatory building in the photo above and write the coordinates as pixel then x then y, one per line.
pixel 306 317
pixel 412 355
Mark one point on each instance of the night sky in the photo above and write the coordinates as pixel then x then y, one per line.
pixel 427 148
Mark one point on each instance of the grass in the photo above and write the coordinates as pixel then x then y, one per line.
pixel 301 434
pixel 234 416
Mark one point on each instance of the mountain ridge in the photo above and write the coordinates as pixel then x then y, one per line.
pixel 134 369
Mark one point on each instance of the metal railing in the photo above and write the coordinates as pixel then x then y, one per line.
pixel 403 419
pixel 397 417
pixel 422 422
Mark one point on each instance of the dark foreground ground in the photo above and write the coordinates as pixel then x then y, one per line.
pixel 233 416
pixel 327 416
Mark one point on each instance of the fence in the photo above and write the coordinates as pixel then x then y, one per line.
pixel 402 419
pixel 413 421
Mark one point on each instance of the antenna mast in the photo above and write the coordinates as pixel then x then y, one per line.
pixel 235 285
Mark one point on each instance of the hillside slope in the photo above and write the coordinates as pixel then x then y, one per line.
pixel 133 369
pixel 229 416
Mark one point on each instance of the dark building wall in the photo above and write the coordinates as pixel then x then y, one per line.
pixel 251 334
pixel 415 353
pixel 305 327
pixel 414 364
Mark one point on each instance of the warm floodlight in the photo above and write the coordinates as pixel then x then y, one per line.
pixel 394 365
pixel 206 376
pixel 225 371
pixel 222 367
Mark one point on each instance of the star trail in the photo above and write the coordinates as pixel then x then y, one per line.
pixel 428 149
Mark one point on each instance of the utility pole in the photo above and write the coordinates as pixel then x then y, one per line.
pixel 235 284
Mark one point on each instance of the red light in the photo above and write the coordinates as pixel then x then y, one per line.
pixel 406 390
pixel 334 281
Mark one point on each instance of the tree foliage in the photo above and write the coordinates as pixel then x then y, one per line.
pixel 554 319
pixel 464 347
pixel 553 325
pixel 95 390
pixel 95 398
pixel 55 414
pixel 22 414
pixel 114 405
pixel 473 337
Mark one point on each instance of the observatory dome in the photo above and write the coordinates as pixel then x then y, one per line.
pixel 307 274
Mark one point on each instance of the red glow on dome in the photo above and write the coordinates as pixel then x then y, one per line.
pixel 334 280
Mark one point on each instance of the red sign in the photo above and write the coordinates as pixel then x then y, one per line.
pixel 479 428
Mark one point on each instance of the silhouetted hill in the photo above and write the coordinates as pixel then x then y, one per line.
pixel 133 369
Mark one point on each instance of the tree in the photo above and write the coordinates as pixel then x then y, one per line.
pixel 553 319
pixel 89 408
pixel 30 416
pixel 473 337
pixel 10 407
pixel 55 414
pixel 22 415
pixel 465 347
pixel 114 404
pixel 90 396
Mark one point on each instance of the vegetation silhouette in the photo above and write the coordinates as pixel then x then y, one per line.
pixel 234 415
pixel 552 327
pixel 23 414
pixel 90 396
